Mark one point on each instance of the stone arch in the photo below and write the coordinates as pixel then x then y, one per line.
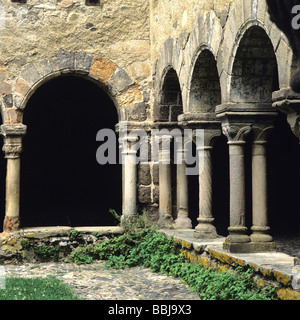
pixel 113 79
pixel 171 58
pixel 63 117
pixel 204 86
pixel 170 100
pixel 254 73
pixel 242 16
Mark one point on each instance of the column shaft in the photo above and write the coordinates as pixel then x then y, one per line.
pixel 260 227
pixel 237 229
pixel 205 220
pixel 165 185
pixel 183 221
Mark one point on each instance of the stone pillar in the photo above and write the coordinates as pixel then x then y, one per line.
pixel 205 227
pixel 260 229
pixel 165 183
pixel 13 135
pixel 183 221
pixel 237 230
pixel 129 173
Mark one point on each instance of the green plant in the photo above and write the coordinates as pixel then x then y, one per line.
pixel 145 246
pixel 46 252
pixel 73 233
pixel 26 244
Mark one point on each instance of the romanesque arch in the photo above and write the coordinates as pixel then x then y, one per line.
pixel 205 91
pixel 61 181
pixel 254 74
pixel 124 93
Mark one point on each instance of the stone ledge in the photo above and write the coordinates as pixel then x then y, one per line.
pixel 270 268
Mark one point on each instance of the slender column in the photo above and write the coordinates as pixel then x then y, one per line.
pixel 165 186
pixel 12 147
pixel 129 180
pixel 237 229
pixel 183 221
pixel 205 227
pixel 260 228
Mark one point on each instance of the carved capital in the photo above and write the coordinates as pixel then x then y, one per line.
pixel 261 134
pixel 13 135
pixel 12 151
pixel 236 133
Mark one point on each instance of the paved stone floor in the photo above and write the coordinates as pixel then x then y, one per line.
pixel 95 282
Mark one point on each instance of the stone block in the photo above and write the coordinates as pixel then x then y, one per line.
pixel 144 176
pixel 65 59
pixel 30 74
pixel 8 101
pixel 144 194
pixel 5 88
pixel 22 87
pixel 120 80
pixel 83 61
pixel 155 194
pixel 130 96
pixel 102 69
pixel 45 67
pixel 155 174
pixel 138 112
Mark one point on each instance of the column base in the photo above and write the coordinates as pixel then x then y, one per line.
pixel 128 219
pixel 166 221
pixel 237 234
pixel 205 229
pixel 250 247
pixel 261 234
pixel 183 222
pixel 11 224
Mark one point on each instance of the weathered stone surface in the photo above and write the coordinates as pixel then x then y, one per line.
pixel 102 69
pixel 144 194
pixel 120 80
pixel 144 176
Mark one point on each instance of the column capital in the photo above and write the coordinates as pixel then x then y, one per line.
pixel 261 133
pixel 13 135
pixel 236 133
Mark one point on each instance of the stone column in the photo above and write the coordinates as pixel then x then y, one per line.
pixel 129 173
pixel 165 183
pixel 205 227
pixel 13 135
pixel 183 221
pixel 260 228
pixel 237 230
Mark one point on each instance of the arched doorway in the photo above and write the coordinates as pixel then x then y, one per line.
pixel 61 181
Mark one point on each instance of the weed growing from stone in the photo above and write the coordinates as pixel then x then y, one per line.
pixel 144 246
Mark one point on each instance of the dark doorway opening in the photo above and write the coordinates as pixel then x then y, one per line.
pixel 61 181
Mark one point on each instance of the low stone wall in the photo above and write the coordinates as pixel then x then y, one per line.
pixel 45 244
pixel 274 269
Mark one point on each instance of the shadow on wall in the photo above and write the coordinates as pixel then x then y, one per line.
pixel 61 182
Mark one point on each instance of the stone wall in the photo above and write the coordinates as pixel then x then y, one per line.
pixel 40 38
